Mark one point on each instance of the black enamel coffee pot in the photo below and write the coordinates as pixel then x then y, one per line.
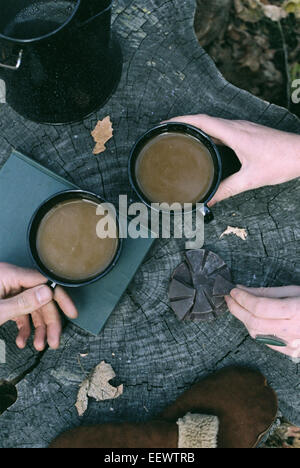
pixel 58 58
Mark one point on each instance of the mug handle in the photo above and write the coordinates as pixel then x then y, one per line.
pixel 51 285
pixel 208 215
pixel 18 64
pixel 230 165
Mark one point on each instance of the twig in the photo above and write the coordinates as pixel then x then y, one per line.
pixel 81 366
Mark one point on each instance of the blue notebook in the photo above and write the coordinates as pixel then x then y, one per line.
pixel 24 185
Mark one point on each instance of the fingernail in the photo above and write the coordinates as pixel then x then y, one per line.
pixel 54 343
pixel 39 346
pixel 20 343
pixel 44 295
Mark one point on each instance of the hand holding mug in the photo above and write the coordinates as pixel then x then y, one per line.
pixel 268 156
pixel 24 293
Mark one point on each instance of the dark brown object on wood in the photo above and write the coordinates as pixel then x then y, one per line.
pixel 245 405
pixel 222 287
pixel 155 355
pixel 241 398
pixel 198 286
pixel 156 434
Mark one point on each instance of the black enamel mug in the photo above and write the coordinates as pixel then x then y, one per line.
pixel 185 129
pixel 58 58
pixel 33 228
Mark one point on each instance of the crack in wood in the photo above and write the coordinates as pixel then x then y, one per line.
pixel 11 385
pixel 165 356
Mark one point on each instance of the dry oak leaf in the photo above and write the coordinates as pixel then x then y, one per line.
pixel 294 434
pixel 97 386
pixel 241 233
pixel 102 133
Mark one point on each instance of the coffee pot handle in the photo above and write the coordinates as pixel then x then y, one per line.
pixel 95 16
pixel 18 64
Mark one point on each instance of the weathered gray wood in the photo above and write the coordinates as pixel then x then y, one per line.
pixel 16 361
pixel 166 73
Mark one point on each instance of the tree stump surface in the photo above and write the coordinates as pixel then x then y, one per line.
pixel 156 357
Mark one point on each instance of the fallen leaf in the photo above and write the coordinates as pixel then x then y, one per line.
pixel 295 71
pixel 293 431
pixel 251 61
pixel 293 436
pixel 82 398
pixel 102 133
pixel 292 6
pixel 238 6
pixel 275 13
pixel 253 10
pixel 249 10
pixel 97 386
pixel 242 233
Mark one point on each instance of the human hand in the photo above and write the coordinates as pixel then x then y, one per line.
pixel 268 156
pixel 270 312
pixel 23 292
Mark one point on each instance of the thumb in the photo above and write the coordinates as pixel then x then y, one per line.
pixel 230 187
pixel 24 303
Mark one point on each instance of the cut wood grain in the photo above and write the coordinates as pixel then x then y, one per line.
pixel 156 357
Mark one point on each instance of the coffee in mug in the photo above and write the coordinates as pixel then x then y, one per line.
pixel 175 167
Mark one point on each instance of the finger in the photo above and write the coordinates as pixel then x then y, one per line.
pixel 24 303
pixel 17 278
pixel 222 129
pixel 279 293
pixel 65 303
pixel 238 311
pixel 53 323
pixel 263 307
pixel 23 324
pixel 233 185
pixel 258 326
pixel 40 330
pixel 29 278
